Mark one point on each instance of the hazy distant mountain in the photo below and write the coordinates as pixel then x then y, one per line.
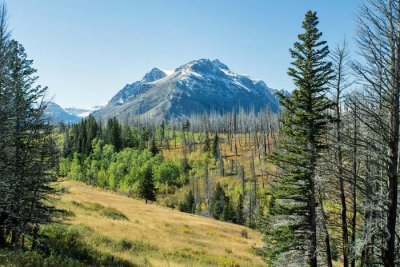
pixel 200 86
pixel 57 114
pixel 82 112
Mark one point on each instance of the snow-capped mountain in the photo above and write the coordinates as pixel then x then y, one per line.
pixel 57 114
pixel 200 86
pixel 83 112
pixel 68 115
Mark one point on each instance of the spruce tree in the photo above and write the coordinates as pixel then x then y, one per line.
pixel 217 202
pixel 185 167
pixel 30 153
pixel 188 204
pixel 206 144
pixel 147 189
pixel 215 146
pixel 239 214
pixel 113 134
pixel 153 147
pixel 293 220
pixel 5 125
pixel 228 212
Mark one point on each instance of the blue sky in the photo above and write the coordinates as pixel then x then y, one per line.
pixel 87 50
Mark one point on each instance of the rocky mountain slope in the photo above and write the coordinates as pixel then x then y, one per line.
pixel 82 112
pixel 200 86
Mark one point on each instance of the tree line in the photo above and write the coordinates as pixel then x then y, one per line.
pixel 129 159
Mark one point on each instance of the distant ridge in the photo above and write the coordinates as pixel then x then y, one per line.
pixel 57 114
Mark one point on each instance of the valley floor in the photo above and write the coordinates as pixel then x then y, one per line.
pixel 153 235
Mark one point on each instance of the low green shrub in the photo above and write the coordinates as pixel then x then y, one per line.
pixel 133 246
pixel 64 245
pixel 108 212
pixel 113 213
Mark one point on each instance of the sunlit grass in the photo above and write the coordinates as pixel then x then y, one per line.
pixel 154 235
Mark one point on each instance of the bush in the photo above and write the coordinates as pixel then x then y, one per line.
pixel 108 212
pixel 33 259
pixel 244 233
pixel 113 214
pixel 63 245
pixel 58 239
pixel 188 204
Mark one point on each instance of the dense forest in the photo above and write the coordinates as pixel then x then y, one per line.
pixel 319 179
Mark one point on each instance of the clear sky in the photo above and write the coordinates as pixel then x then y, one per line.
pixel 87 50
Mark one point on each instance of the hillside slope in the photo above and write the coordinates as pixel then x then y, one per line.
pixel 164 237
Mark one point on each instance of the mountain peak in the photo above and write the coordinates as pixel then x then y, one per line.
pixel 155 74
pixel 200 86
pixel 205 65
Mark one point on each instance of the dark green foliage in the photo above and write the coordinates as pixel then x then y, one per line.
pixel 186 126
pixel 133 246
pixel 228 212
pixel 63 240
pixel 79 137
pixel 215 146
pixel 113 213
pixel 129 137
pixel 304 123
pixel 147 189
pixel 108 212
pixel 185 168
pixel 217 202
pixel 61 245
pixel 144 138
pixel 206 143
pixel 113 134
pixel 278 241
pixel 162 131
pixel 221 206
pixel 240 219
pixel 28 156
pixel 188 204
pixel 153 147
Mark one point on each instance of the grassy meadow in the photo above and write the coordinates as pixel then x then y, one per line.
pixel 153 235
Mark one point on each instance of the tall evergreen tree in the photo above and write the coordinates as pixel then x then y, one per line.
pixel 228 213
pixel 293 217
pixel 153 147
pixel 240 210
pixel 206 143
pixel 217 202
pixel 29 152
pixel 188 204
pixel 147 189
pixel 113 134
pixel 5 125
pixel 215 146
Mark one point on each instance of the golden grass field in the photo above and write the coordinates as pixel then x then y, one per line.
pixel 168 237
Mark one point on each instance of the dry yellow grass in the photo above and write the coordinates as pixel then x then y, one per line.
pixel 178 239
